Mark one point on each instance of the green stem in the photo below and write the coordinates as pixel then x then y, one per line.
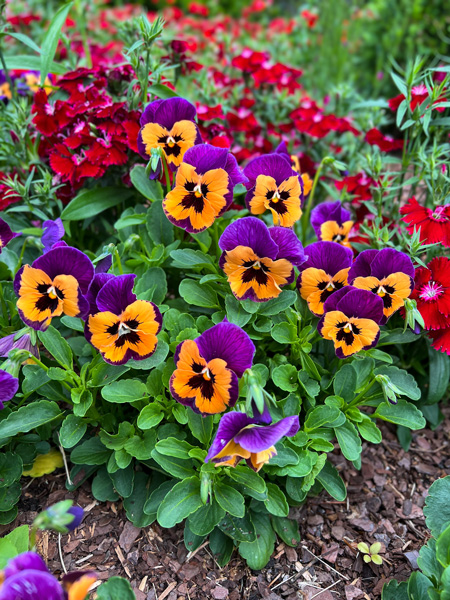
pixel 145 83
pixel 361 394
pixel 118 261
pixel 166 173
pixel 309 205
pixel 22 252
pixel 41 364
pixel 84 36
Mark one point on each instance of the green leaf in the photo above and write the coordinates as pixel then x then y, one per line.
pixel 7 551
pixel 73 323
pixel 369 431
pixel 158 357
pixel 102 487
pixel 72 430
pixel 149 188
pixel 201 427
pixel 116 588
pixel 57 346
pixel 29 417
pixel 199 295
pixel 19 538
pixel 203 520
pixel 230 499
pixel 135 503
pixel 125 390
pixel 150 416
pixel 439 375
pixel 11 467
pixel 90 452
pixel 437 506
pixel 403 413
pixel 235 311
pixel 141 447
pixel 278 305
pixel 248 478
pixel 104 373
pixel 443 547
pixel 90 203
pixel 221 546
pixel 320 416
pixel 9 496
pixel 8 516
pixel 332 482
pixel 176 467
pixel 345 382
pixel 189 259
pixel 171 446
pixel 152 285
pixel 258 553
pixel 349 440
pixel 418 586
pixel 123 481
pixel 182 500
pixel 241 530
pixel 157 496
pixel 192 541
pixel 284 333
pixel 162 91
pixel 159 228
pixel 403 380
pixel 32 63
pixel 394 590
pixel 285 377
pixel 51 38
pixel 311 386
pixel 427 561
pixel 276 502
pixel 287 530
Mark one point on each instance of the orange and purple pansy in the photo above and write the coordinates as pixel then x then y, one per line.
pixel 351 320
pixel 274 186
pixel 324 273
pixel 332 223
pixel 203 189
pixel 259 260
pixel 26 577
pixel 121 327
pixel 388 273
pixel 170 125
pixel 240 437
pixel 6 234
pixel 55 284
pixel 209 367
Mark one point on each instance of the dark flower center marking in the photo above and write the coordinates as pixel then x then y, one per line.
pixel 126 332
pixel 328 287
pixel 347 332
pixel 196 197
pixel 431 291
pixel 385 292
pixel 256 270
pixel 277 199
pixel 171 144
pixel 203 380
pixel 50 297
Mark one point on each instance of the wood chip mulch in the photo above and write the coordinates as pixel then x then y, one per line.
pixel 384 504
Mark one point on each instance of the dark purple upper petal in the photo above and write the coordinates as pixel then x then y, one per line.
pixel 289 246
pixel 205 157
pixel 332 301
pixel 362 265
pixel 53 232
pixel 64 260
pixel 261 437
pixel 8 387
pixel 361 304
pixel 389 261
pixel 6 234
pixel 6 344
pixel 230 343
pixel 230 425
pixel 31 585
pixel 250 232
pixel 104 264
pixel 25 561
pixel 328 211
pixel 329 256
pixel 116 294
pixel 96 285
pixel 273 165
pixel 148 116
pixel 169 111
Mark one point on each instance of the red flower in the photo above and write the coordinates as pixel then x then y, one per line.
pixel 359 186
pixel 419 94
pixel 384 142
pixel 310 18
pixel 249 61
pixel 432 293
pixel 106 152
pixel 49 118
pixel 434 223
pixel 441 340
pixel 206 113
pixel 72 167
pixel 198 9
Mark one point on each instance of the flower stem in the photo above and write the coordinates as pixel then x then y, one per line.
pixel 166 173
pixel 309 205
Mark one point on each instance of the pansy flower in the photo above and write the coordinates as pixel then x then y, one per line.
pixel 122 326
pixel 351 320
pixel 432 293
pixel 169 125
pixel 259 260
pixel 208 368
pixel 387 273
pixel 54 284
pixel 323 273
pixel 433 224
pixel 273 185
pixel 332 223
pixel 6 234
pixel 295 164
pixel 8 387
pixel 203 188
pixel 240 437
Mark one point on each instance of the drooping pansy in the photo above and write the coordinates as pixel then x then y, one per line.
pixel 273 185
pixel 332 223
pixel 351 320
pixel 240 437
pixel 259 260
pixel 170 125
pixel 6 234
pixel 20 340
pixel 55 284
pixel 208 368
pixel 295 164
pixel 387 273
pixel 8 387
pixel 203 188
pixel 122 327
pixel 324 273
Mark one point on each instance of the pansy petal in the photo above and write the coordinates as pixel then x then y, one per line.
pixel 362 265
pixel 64 260
pixel 116 294
pixel 230 343
pixel 104 264
pixel 8 387
pixel 230 425
pixel 328 211
pixel 31 585
pixel 361 304
pixel 205 157
pixel 273 165
pixel 148 116
pixel 252 233
pixel 328 256
pixel 262 437
pixel 96 285
pixel 24 561
pixel 171 110
pixel 389 261
pixel 289 246
pixel 6 234
pixel 53 232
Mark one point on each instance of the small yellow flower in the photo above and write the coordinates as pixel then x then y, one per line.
pixel 371 554
pixel 45 464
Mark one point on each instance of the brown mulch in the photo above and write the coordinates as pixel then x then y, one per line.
pixel 384 504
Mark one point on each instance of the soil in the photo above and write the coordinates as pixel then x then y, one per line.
pixel 384 504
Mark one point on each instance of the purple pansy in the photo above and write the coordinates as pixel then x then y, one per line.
pixel 53 233
pixel 274 185
pixel 6 234
pixel 332 223
pixel 323 273
pixel 208 368
pixel 388 273
pixel 203 189
pixel 8 387
pixel 240 437
pixel 259 260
